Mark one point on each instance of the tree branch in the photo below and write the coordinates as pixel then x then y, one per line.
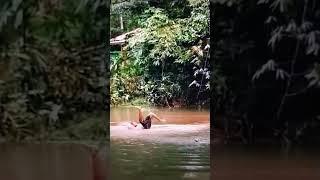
pixel 298 92
pixel 293 62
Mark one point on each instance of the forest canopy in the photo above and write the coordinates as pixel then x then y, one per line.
pixel 168 60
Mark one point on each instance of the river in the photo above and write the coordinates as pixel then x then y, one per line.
pixel 174 150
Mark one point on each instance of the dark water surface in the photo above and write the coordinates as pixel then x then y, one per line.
pixel 264 163
pixel 175 150
pixel 52 162
pixel 147 161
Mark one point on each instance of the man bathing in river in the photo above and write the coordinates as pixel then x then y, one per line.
pixel 146 122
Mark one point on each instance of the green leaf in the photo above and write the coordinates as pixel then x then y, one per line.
pixel 263 2
pixel 306 25
pixel 96 5
pixel 281 74
pixel 21 55
pixel 268 66
pixel 16 4
pixel 4 15
pixel 291 27
pixel 271 19
pixel 19 18
pixel 313 49
pixel 282 5
pixel 276 37
pixel 314 76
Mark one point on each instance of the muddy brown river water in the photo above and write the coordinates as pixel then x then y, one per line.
pixel 174 150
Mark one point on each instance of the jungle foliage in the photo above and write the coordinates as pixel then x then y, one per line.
pixel 168 60
pixel 52 65
pixel 266 67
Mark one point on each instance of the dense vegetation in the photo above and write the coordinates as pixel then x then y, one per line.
pixel 167 62
pixel 52 68
pixel 266 56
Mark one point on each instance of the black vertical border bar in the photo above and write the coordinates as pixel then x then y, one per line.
pixel 212 104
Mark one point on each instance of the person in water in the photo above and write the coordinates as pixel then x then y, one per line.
pixel 147 121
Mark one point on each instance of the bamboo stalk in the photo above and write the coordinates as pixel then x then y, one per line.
pixel 293 62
